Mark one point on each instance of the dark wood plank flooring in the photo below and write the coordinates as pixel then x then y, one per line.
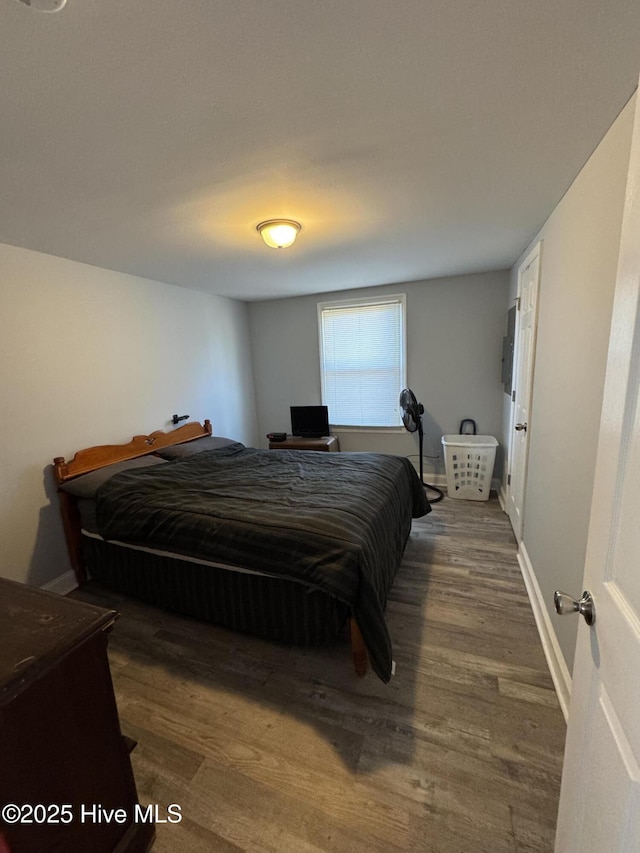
pixel 271 748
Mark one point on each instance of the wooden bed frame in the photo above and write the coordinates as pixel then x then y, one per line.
pixel 99 456
pixel 93 458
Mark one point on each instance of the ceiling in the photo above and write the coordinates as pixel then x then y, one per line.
pixel 411 138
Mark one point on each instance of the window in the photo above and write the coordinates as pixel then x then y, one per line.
pixel 362 360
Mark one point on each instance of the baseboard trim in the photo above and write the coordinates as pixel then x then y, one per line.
pixel 63 584
pixel 440 480
pixel 502 497
pixel 552 652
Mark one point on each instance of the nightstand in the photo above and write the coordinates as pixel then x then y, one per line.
pixel 327 443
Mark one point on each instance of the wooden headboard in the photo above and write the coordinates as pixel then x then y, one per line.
pixel 92 458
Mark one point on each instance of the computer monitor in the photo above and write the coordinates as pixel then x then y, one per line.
pixel 309 421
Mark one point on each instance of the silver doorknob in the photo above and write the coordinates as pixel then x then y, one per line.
pixel 520 427
pixel 566 604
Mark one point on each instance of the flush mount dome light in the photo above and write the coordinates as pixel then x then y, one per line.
pixel 44 5
pixel 278 233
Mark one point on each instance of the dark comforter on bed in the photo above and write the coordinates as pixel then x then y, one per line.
pixel 335 521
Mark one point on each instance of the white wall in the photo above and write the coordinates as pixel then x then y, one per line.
pixel 89 356
pixel 454 347
pixel 579 260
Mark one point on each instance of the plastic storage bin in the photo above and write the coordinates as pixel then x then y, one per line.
pixel 468 462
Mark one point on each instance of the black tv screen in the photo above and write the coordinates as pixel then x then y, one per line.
pixel 309 421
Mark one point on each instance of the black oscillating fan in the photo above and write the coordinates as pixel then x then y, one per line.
pixel 412 412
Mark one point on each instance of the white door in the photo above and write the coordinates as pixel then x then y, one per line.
pixel 524 356
pixel 600 797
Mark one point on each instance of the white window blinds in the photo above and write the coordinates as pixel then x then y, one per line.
pixel 362 358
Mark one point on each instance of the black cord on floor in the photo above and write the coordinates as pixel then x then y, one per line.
pixel 438 491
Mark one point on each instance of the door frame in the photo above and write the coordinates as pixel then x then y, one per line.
pixel 536 252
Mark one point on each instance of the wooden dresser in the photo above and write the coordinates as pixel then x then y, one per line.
pixel 60 739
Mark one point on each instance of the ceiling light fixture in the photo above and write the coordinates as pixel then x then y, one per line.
pixel 278 233
pixel 44 5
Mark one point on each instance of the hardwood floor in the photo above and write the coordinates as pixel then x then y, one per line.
pixel 271 748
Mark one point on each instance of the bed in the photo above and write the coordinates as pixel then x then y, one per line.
pixel 290 545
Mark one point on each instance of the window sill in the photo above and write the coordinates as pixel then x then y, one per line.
pixel 395 430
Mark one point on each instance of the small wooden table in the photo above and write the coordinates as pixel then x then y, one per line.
pixel 327 443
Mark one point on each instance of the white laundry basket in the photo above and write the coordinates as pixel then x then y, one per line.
pixel 468 462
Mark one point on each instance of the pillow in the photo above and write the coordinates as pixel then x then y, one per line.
pixel 86 485
pixel 190 448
